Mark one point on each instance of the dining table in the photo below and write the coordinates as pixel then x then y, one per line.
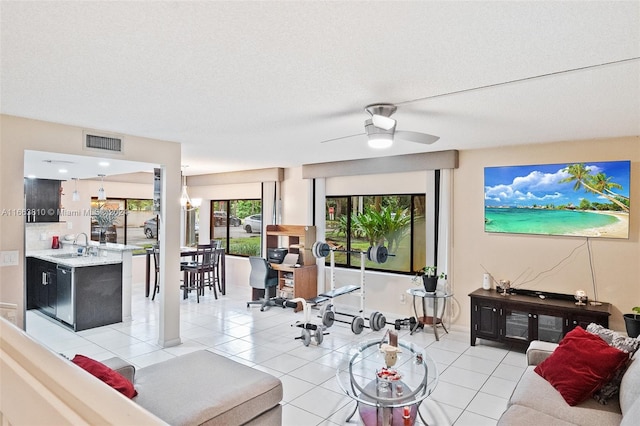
pixel 187 252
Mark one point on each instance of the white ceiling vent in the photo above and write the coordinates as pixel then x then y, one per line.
pixel 104 143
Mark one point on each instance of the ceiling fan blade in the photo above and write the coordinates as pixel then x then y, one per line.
pixel 382 122
pixel 416 137
pixel 344 137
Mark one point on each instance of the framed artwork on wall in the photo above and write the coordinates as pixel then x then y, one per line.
pixel 588 199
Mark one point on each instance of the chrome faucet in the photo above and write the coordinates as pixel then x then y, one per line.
pixel 86 242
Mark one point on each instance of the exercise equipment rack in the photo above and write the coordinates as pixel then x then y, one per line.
pixel 377 320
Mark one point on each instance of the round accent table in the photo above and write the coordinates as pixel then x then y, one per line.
pixel 434 320
pixel 387 402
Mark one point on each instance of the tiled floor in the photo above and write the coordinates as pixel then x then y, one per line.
pixel 473 388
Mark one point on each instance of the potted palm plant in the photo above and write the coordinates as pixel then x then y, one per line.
pixel 430 278
pixel 632 322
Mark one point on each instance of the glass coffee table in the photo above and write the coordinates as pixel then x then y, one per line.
pixel 383 398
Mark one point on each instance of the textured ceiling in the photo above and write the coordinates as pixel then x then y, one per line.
pixel 245 85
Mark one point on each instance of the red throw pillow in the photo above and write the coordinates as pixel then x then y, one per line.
pixel 106 374
pixel 580 365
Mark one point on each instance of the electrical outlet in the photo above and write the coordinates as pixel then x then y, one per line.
pixel 403 298
pixel 9 258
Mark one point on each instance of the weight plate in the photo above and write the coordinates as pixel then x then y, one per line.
pixel 381 254
pixel 319 335
pixel 357 325
pixel 373 253
pixel 314 249
pixel 373 321
pixel 324 249
pixel 306 337
pixel 382 321
pixel 327 318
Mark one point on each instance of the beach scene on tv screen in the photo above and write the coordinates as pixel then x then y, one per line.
pixel 589 199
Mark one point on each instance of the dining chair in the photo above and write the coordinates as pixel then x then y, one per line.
pixel 262 277
pixel 199 273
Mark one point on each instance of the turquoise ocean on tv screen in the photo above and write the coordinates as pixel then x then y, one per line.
pixel 539 221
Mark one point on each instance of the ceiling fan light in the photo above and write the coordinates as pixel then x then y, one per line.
pixel 380 141
pixel 383 122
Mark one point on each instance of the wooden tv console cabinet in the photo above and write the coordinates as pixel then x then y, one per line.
pixel 516 318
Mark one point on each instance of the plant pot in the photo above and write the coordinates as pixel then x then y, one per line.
pixel 430 283
pixel 632 322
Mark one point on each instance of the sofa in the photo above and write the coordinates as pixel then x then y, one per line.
pixel 204 388
pixel 535 401
pixel 40 386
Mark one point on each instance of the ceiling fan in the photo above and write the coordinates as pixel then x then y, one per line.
pixel 380 129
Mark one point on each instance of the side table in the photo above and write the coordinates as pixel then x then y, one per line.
pixel 434 320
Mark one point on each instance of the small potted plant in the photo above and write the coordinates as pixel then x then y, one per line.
pixel 430 278
pixel 632 322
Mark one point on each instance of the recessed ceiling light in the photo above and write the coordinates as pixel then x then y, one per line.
pixel 31 176
pixel 104 163
pixel 62 170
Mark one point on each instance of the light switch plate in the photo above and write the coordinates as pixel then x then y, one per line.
pixel 9 258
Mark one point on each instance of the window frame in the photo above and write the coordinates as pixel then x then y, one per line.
pixel 411 237
pixel 227 237
pixel 125 201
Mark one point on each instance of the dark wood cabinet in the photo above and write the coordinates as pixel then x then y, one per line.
pixel 42 285
pixel 522 318
pixel 486 319
pixel 82 297
pixel 42 200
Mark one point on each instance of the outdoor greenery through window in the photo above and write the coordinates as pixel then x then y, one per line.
pixel 137 227
pixel 238 224
pixel 355 223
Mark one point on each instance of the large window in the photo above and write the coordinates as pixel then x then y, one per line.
pixel 238 224
pixel 136 225
pixel 354 223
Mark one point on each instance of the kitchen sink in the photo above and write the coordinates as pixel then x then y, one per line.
pixel 65 255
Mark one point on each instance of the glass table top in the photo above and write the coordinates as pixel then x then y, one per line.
pixel 363 376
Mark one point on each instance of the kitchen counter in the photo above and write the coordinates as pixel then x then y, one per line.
pixel 104 257
pixel 107 254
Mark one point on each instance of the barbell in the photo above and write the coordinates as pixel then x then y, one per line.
pixel 377 253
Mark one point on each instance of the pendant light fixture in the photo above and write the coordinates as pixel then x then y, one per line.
pixel 102 195
pixel 187 202
pixel 75 196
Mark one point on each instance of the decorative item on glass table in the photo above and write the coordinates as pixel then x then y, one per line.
pixel 430 277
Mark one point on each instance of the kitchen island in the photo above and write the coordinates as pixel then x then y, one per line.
pixel 81 291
